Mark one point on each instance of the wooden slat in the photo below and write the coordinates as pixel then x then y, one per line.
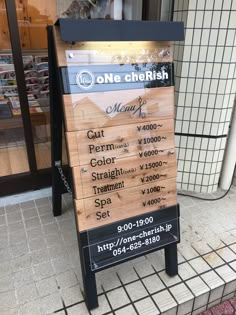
pixel 86 111
pixel 121 141
pixel 111 52
pixel 125 173
pixel 92 212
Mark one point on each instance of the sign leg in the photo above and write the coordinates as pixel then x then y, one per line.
pixel 171 259
pixel 89 281
pixel 56 125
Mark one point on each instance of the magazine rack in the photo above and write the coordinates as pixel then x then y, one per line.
pixel 112 86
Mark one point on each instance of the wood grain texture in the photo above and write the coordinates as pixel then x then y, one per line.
pixel 125 173
pixel 123 204
pixel 120 169
pixel 111 52
pixel 121 141
pixel 85 111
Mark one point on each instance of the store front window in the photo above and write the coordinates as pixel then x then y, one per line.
pixel 18 155
pixel 13 154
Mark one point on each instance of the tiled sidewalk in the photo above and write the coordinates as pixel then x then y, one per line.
pixel 40 268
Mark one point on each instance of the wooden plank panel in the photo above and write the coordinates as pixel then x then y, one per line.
pixel 111 52
pixel 121 141
pixel 125 173
pixel 95 212
pixel 95 110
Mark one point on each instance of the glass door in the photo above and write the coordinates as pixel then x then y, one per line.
pixel 13 153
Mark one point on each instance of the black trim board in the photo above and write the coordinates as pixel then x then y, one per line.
pixel 109 30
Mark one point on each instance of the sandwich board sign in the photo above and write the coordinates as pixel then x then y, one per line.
pixel 118 109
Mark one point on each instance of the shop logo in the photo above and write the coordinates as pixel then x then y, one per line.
pixel 85 79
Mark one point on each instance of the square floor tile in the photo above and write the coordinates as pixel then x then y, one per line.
pixel 51 228
pixel 185 271
pixel 29 308
pixel 37 244
pixel 30 213
pixel 169 281
pixel 14 217
pixel 108 279
pixel 226 254
pixel 27 205
pixel 202 247
pixel 12 208
pixel 214 241
pixel 6 283
pixel 211 304
pixel 181 293
pixel 61 264
pixel 23 277
pixel 213 260
pixel 199 311
pixel 19 249
pixel 5 268
pixel 199 265
pixel 216 294
pixel 40 256
pixel 226 273
pixel 34 233
pixel 229 288
pixel 27 293
pixel 16 227
pixel 153 284
pixel 18 237
pixel 78 309
pixel 136 290
pixel 54 239
pixel 66 279
pixel 7 300
pixel 157 260
pixel 72 295
pixel 51 303
pixel 164 301
pixel 42 202
pixel 103 308
pixel 20 263
pixel 146 307
pixel 143 268
pixel 212 279
pixel 185 308
pixel 2 211
pixel 126 273
pixel 2 220
pixel 200 290
pixel 46 209
pixel 187 251
pixel 57 251
pixel 126 310
pixel 5 254
pixel 228 238
pixel 32 223
pixel 46 286
pixel 118 298
pixel 172 311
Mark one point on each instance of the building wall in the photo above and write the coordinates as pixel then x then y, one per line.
pixel 205 90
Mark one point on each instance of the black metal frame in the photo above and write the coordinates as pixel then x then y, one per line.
pixel 108 30
pixel 78 30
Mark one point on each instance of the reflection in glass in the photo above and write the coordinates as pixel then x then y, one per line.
pixel 13 155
